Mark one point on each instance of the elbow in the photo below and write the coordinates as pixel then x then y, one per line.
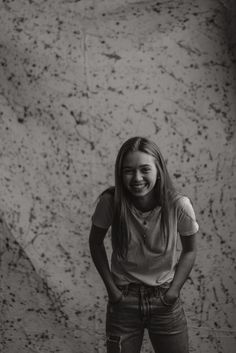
pixel 190 254
pixel 194 251
pixel 193 255
pixel 96 239
pixel 94 245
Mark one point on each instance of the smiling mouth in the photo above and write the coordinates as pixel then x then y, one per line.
pixel 138 187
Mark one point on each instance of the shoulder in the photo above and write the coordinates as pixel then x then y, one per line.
pixel 183 202
pixel 107 196
pixel 104 210
pixel 184 207
pixel 186 219
pixel 177 199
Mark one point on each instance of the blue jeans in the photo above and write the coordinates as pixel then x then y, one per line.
pixel 143 307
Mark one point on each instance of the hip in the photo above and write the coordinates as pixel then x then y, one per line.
pixel 144 306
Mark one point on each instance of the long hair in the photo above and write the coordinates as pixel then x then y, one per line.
pixel 164 190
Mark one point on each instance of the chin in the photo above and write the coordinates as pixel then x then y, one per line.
pixel 139 194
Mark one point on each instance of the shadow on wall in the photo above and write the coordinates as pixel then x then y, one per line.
pixel 25 296
pixel 231 26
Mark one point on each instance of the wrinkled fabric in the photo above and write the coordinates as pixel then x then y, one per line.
pixel 148 261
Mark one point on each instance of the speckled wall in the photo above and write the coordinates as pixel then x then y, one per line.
pixel 77 78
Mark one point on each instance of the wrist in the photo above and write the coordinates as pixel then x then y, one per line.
pixel 114 292
pixel 172 292
pixel 175 287
pixel 170 296
pixel 115 299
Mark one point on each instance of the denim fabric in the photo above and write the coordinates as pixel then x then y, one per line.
pixel 144 307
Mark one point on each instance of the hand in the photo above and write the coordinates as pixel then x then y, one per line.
pixel 170 296
pixel 115 297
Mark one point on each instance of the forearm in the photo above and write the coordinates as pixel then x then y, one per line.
pixel 183 270
pixel 100 260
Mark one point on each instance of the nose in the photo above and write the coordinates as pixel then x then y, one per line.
pixel 137 176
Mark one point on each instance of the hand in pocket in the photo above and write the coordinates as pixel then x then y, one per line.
pixel 169 297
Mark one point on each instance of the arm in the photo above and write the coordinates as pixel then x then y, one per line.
pixel 184 267
pixel 99 256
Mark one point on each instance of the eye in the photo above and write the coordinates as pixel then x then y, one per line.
pixel 127 171
pixel 146 170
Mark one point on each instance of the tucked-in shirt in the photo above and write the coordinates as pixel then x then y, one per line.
pixel 149 259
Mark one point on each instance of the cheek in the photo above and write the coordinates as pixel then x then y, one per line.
pixel 154 178
pixel 125 179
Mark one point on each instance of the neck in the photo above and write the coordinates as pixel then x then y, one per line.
pixel 145 203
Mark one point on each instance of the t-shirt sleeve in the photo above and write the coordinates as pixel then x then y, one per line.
pixel 104 210
pixel 187 224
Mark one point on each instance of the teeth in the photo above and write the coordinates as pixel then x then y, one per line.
pixel 138 186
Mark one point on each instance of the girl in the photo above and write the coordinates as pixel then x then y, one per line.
pixel 145 214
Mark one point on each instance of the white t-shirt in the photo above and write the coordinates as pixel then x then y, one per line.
pixel 148 260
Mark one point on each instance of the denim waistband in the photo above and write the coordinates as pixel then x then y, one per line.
pixel 141 287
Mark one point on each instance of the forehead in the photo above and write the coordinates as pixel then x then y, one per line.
pixel 137 158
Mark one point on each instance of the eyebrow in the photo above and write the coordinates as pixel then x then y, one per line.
pixel 140 166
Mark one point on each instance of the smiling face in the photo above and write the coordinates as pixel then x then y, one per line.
pixel 139 173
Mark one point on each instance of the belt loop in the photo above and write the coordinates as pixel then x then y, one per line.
pixel 126 289
pixel 156 291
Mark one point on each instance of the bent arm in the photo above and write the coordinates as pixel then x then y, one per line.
pixel 184 266
pixel 99 256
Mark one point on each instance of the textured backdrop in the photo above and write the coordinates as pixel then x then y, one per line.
pixel 77 78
